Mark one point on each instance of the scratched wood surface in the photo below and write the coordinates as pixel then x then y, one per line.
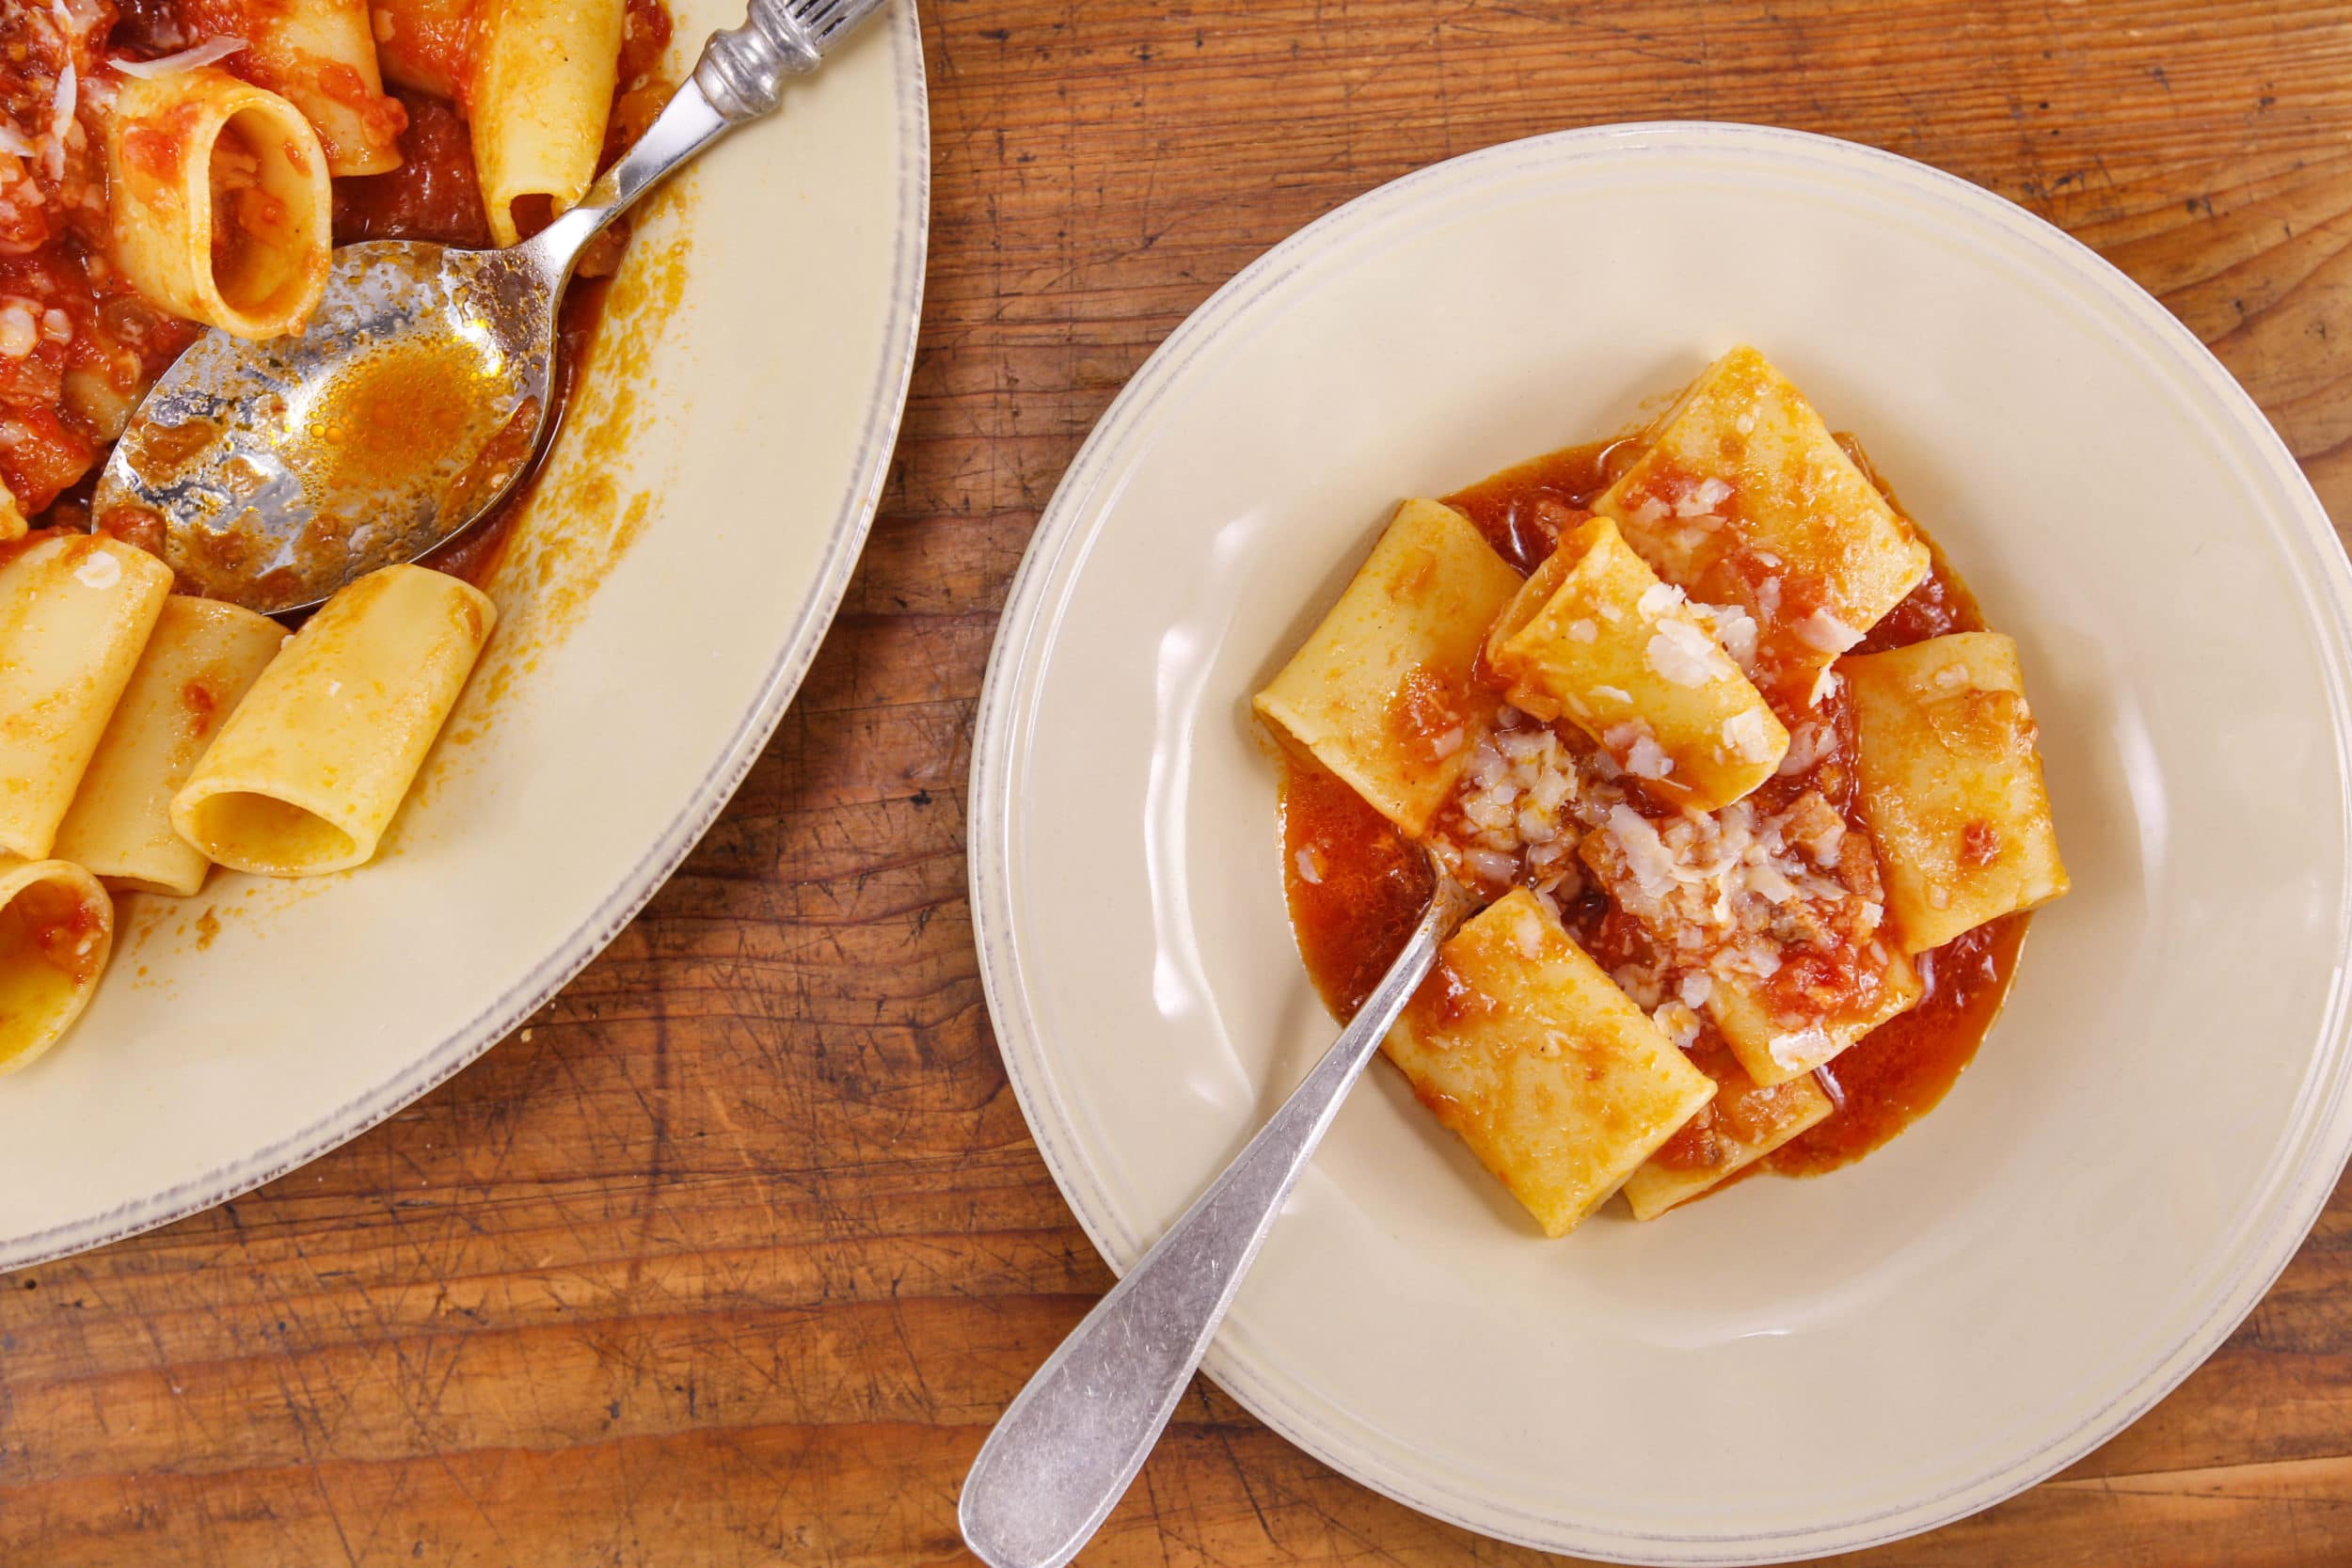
pixel 732 1256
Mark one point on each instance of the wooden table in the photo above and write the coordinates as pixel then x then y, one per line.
pixel 732 1257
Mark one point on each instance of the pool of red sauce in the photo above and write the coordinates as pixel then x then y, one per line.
pixel 1370 884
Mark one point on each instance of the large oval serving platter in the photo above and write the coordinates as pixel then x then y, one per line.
pixel 680 558
pixel 1790 1367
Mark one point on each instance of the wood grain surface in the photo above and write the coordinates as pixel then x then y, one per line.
pixel 733 1255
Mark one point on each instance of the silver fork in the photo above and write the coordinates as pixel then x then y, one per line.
pixel 1072 1440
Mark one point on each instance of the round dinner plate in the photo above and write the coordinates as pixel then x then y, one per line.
pixel 1789 1368
pixel 660 600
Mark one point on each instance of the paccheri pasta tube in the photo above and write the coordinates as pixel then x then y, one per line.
pixel 1385 693
pixel 199 661
pixel 320 56
pixel 57 928
pixel 75 610
pixel 1951 783
pixel 309 772
pixel 425 45
pixel 1594 637
pixel 221 205
pixel 1744 498
pixel 1743 1123
pixel 1530 1053
pixel 541 86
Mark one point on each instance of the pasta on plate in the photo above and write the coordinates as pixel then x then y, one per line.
pixel 170 165
pixel 1749 789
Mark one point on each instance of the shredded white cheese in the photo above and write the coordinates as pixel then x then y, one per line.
pixel 1683 654
pixel 1745 737
pixel 1658 598
pixel 60 122
pixel 19 332
pixel 1732 626
pixel 1825 633
pixel 1647 759
pixel 1645 855
pixel 1702 502
pixel 1528 932
pixel 1804 1050
pixel 1678 1022
pixel 210 52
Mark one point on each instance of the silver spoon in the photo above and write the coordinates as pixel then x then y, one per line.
pixel 1072 1441
pixel 282 470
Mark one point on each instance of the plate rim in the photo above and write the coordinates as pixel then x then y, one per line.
pixel 999 737
pixel 853 520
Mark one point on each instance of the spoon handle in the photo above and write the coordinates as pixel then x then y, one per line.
pixel 1072 1442
pixel 740 78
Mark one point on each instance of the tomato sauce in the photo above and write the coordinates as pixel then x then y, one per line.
pixel 1898 1071
pixel 475 552
pixel 433 194
pixel 1373 883
pixel 1523 511
pixel 1355 886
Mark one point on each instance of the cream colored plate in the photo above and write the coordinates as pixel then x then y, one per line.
pixel 682 558
pixel 1790 1367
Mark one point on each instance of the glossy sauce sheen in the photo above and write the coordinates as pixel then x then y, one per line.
pixel 1373 883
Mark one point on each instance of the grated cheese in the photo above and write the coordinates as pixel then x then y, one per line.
pixel 1744 735
pixel 1825 633
pixel 1803 1049
pixel 1702 500
pixel 1734 628
pixel 1683 654
pixel 210 52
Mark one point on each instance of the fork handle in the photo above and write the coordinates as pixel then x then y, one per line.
pixel 742 69
pixel 1072 1440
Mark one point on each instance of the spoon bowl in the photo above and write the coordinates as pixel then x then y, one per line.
pixel 277 471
